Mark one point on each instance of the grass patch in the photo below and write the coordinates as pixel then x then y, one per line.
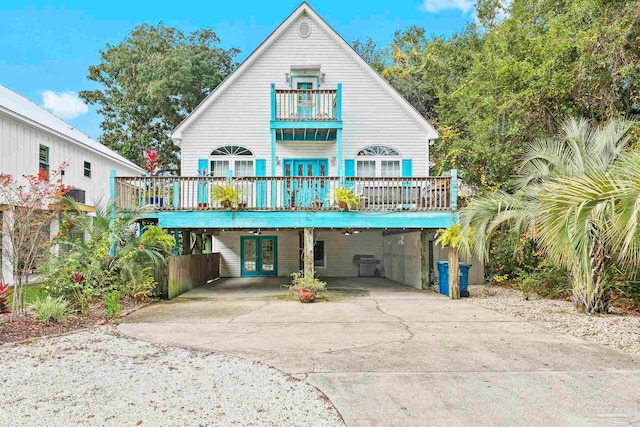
pixel 32 292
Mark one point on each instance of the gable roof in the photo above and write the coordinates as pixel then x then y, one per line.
pixel 21 108
pixel 303 8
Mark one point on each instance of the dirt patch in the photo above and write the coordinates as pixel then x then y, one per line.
pixel 18 328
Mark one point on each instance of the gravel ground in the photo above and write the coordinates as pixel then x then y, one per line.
pixel 621 332
pixel 98 378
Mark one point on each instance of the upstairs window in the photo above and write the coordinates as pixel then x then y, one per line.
pixel 235 158
pixel 43 158
pixel 378 161
pixel 87 170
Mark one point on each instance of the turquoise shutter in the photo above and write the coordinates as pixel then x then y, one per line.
pixel 203 170
pixel 349 171
pixel 407 168
pixel 407 172
pixel 261 186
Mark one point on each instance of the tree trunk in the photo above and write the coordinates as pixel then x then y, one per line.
pixel 308 252
pixel 454 273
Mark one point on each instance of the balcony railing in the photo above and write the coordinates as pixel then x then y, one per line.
pixel 306 105
pixel 285 193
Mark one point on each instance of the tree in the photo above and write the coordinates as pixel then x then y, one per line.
pixel 26 223
pixel 575 237
pixel 371 53
pixel 150 82
pixel 493 90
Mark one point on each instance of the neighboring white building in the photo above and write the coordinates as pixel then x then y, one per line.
pixel 32 138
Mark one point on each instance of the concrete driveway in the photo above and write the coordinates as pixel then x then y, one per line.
pixel 389 355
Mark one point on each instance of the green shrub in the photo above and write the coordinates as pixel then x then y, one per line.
pixel 49 308
pixel 112 305
pixel 299 282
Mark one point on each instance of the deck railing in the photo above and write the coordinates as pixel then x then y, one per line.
pixel 306 105
pixel 285 193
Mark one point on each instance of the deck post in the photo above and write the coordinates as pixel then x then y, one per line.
pixel 112 184
pixel 454 189
pixel 339 165
pixel 273 101
pixel 186 243
pixel 424 259
pixel 198 246
pixel 308 252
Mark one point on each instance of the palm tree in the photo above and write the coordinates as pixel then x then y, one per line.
pixel 539 208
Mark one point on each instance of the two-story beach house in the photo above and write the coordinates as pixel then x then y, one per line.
pixel 303 119
pixel 31 138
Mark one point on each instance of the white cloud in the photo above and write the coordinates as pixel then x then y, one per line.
pixel 66 105
pixel 435 6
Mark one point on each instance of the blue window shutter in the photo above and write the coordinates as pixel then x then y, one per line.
pixel 203 170
pixel 349 167
pixel 407 168
pixel 261 186
pixel 349 171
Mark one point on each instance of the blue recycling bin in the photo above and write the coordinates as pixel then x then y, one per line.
pixel 443 278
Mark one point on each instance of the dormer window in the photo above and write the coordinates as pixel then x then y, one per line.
pixel 234 158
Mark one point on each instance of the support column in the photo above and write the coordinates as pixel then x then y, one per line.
pixel 198 247
pixel 7 247
pixel 176 248
pixel 454 273
pixel 308 252
pixel 339 163
pixel 186 243
pixel 424 259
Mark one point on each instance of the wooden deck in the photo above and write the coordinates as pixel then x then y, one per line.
pixel 285 193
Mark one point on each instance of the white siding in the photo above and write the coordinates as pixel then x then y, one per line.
pixel 340 250
pixel 241 114
pixel 19 145
pixel 228 244
pixel 402 261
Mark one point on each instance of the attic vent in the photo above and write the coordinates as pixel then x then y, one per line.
pixel 304 29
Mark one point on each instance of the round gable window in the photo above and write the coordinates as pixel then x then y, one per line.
pixel 304 29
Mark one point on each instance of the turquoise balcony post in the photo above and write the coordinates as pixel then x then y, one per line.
pixel 339 102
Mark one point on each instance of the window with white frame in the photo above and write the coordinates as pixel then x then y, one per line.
pixel 234 158
pixel 378 160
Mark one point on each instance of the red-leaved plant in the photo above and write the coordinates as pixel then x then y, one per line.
pixel 153 162
pixel 5 292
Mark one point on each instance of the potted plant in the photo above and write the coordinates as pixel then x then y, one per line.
pixel 154 193
pixel 227 195
pixel 317 204
pixel 307 288
pixel 346 199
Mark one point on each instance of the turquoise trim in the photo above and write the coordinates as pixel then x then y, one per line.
pixel 304 76
pixel 339 152
pixel 301 219
pixel 454 189
pixel 176 248
pixel 229 175
pixel 312 124
pixel 339 102
pixel 273 166
pixel 309 136
pixel 349 171
pixel 261 186
pixel 112 184
pixel 407 168
pixel 203 170
pixel 258 272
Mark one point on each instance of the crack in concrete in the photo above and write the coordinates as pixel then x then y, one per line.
pixel 250 311
pixel 399 319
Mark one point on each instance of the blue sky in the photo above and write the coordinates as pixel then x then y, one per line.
pixel 47 46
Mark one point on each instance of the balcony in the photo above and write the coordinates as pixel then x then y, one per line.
pixel 428 194
pixel 306 115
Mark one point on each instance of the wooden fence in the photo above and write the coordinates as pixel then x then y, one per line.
pixel 186 272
